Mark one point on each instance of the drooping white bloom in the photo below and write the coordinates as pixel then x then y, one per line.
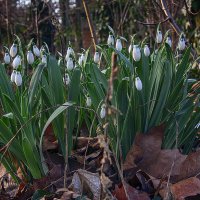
pixel 96 57
pixel 81 59
pixel 13 50
pixel 138 83
pixel 181 44
pixel 159 37
pixel 110 40
pixel 70 64
pixel 12 77
pixel 70 52
pixel 42 50
pixel 7 58
pixel 36 51
pixel 66 79
pixel 118 45
pixel 18 79
pixel 136 53
pixel 16 62
pixel 130 48
pixel 168 41
pixel 30 57
pixel 88 102
pixel 198 125
pixel 103 111
pixel 44 59
pixel 146 51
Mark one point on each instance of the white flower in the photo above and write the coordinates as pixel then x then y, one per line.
pixel 70 64
pixel 42 50
pixel 81 59
pixel 30 57
pixel 146 51
pixel 198 125
pixel 138 83
pixel 44 59
pixel 96 57
pixel 12 77
pixel 16 62
pixel 130 48
pixel 136 53
pixel 7 58
pixel 36 51
pixel 66 79
pixel 118 45
pixel 88 102
pixel 159 37
pixel 13 50
pixel 70 52
pixel 103 111
pixel 168 41
pixel 110 40
pixel 181 44
pixel 18 79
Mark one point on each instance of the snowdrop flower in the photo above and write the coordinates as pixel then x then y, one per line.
pixel 110 40
pixel 136 53
pixel 30 57
pixel 70 64
pixel 70 52
pixel 36 51
pixel 181 44
pixel 16 62
pixel 7 58
pixel 13 50
pixel 44 59
pixel 146 51
pixel 42 50
pixel 12 77
pixel 88 101
pixel 130 48
pixel 168 41
pixel 103 111
pixel 66 79
pixel 81 59
pixel 138 84
pixel 159 37
pixel 118 45
pixel 198 125
pixel 18 79
pixel 96 57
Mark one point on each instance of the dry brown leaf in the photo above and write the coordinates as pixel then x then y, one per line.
pixel 186 188
pixel 132 193
pixel 86 182
pixel 146 153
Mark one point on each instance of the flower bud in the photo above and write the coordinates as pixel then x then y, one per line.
pixel 168 41
pixel 181 44
pixel 159 37
pixel 136 53
pixel 30 57
pixel 12 77
pixel 110 40
pixel 103 111
pixel 88 102
pixel 44 59
pixel 138 84
pixel 13 50
pixel 16 62
pixel 96 57
pixel 146 51
pixel 130 48
pixel 7 58
pixel 36 51
pixel 66 79
pixel 18 79
pixel 70 64
pixel 118 45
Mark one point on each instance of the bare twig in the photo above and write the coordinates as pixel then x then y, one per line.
pixel 154 23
